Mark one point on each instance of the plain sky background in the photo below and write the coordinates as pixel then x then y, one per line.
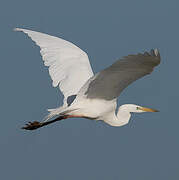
pixel 79 149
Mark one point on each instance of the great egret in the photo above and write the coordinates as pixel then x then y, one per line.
pixel 85 94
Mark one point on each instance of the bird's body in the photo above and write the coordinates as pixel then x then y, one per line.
pixel 85 94
pixel 92 108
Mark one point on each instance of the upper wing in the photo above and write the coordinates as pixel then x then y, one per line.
pixel 109 83
pixel 69 66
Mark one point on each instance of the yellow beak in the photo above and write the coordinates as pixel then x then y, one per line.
pixel 148 109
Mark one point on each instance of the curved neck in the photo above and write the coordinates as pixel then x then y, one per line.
pixel 120 119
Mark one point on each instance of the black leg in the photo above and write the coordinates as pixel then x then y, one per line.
pixel 35 125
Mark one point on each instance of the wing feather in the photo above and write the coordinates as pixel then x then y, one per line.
pixel 109 83
pixel 69 66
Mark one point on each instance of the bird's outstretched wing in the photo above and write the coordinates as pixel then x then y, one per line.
pixel 69 66
pixel 109 83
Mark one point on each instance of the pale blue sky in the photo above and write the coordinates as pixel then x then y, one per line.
pixel 147 148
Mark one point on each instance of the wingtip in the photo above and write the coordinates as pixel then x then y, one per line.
pixel 155 52
pixel 16 29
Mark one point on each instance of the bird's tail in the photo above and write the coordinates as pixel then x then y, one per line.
pixel 60 111
pixel 54 112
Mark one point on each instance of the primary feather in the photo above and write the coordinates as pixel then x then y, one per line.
pixel 110 82
pixel 69 66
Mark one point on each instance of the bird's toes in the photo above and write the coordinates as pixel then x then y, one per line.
pixel 32 125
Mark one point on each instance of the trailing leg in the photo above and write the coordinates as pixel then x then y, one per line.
pixel 35 125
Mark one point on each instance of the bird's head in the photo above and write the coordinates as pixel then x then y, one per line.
pixel 132 108
pixel 124 113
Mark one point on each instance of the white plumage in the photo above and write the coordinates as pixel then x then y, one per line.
pixel 85 94
pixel 69 66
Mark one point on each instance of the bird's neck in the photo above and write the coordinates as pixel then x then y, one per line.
pixel 120 119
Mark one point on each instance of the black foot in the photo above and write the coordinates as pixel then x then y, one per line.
pixel 35 125
pixel 32 125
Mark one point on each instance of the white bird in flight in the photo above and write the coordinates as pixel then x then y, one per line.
pixel 87 95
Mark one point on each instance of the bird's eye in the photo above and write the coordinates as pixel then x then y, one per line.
pixel 137 108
